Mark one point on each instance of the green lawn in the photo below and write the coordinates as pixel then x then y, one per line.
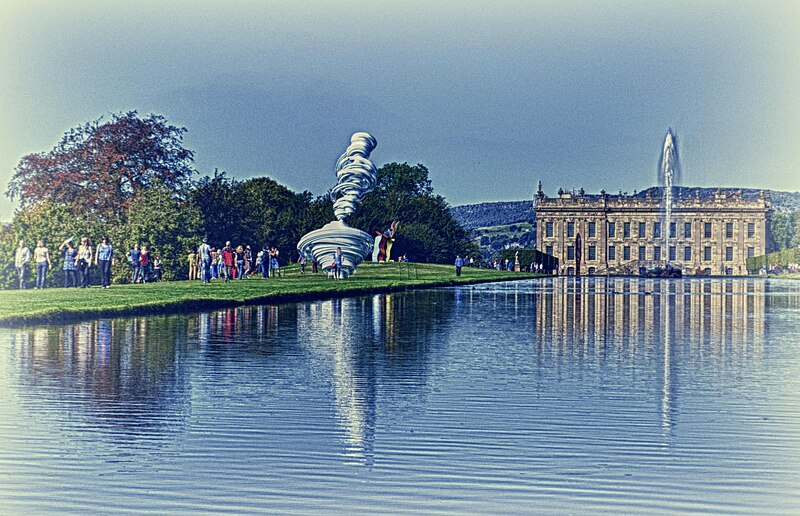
pixel 59 304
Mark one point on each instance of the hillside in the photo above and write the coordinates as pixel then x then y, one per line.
pixel 487 214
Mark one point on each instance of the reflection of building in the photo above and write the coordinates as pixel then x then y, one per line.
pixel 632 312
pixel 655 319
pixel 711 231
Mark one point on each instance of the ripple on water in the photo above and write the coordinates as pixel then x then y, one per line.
pixel 548 396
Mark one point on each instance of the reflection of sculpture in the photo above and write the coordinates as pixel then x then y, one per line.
pixel 356 177
pixel 383 244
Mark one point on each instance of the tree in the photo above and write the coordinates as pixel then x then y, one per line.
pixel 785 228
pixel 427 231
pixel 97 168
pixel 220 207
pixel 167 225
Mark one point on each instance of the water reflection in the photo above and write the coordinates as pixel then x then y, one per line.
pixel 719 319
pixel 586 394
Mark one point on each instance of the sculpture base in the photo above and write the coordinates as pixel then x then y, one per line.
pixel 320 245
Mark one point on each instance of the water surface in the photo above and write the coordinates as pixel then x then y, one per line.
pixel 546 396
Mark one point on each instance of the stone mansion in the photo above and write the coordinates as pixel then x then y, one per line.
pixel 712 231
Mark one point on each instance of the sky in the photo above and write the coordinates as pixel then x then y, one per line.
pixel 490 96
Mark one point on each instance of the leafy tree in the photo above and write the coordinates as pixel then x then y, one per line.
pixel 258 211
pixel 273 214
pixel 220 207
pixel 98 167
pixel 786 230
pixel 427 231
pixel 167 225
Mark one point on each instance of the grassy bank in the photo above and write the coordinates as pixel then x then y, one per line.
pixel 59 304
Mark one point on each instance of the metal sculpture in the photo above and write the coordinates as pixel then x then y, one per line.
pixel 356 176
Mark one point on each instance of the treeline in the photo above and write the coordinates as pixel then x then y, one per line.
pixel 785 230
pixel 131 178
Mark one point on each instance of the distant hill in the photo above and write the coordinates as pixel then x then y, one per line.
pixel 489 214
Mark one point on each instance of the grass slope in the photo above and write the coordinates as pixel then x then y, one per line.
pixel 59 304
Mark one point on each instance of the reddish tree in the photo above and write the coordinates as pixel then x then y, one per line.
pixel 97 168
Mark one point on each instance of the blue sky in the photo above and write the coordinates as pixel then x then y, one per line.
pixel 490 96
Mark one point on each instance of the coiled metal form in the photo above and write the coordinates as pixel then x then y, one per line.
pixel 356 176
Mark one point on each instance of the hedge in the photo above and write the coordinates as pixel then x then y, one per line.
pixel 780 258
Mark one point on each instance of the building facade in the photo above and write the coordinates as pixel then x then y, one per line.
pixel 711 231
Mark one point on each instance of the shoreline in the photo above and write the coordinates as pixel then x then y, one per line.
pixel 176 297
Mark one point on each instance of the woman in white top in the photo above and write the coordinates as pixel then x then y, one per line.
pixel 84 261
pixel 42 258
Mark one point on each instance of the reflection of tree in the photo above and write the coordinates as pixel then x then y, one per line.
pixel 369 342
pixel 122 374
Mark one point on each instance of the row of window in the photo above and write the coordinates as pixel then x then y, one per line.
pixel 642 253
pixel 626 229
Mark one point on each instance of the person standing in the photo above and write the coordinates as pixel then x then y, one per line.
pixel 240 262
pixel 144 261
pixel 134 257
pixel 337 263
pixel 459 264
pixel 70 258
pixel 204 253
pixel 84 262
pixel 103 259
pixel 192 265
pixel 41 256
pixel 227 260
pixel 248 260
pixel 274 264
pixel 302 262
pixel 157 268
pixel 21 260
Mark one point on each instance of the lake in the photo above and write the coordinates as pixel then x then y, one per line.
pixel 559 395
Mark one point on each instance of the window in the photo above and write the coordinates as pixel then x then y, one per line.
pixel 642 251
pixel 571 252
pixel 707 230
pixel 729 230
pixel 626 230
pixel 656 230
pixel 672 230
pixel 729 254
pixel 592 252
pixel 751 252
pixel 548 230
pixel 612 229
pixel 707 254
pixel 612 252
pixel 570 229
pixel 672 253
pixel 687 253
pixel 549 250
pixel 687 229
pixel 657 253
pixel 751 230
pixel 642 230
pixel 626 252
pixel 592 229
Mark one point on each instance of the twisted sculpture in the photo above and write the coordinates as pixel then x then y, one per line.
pixel 356 176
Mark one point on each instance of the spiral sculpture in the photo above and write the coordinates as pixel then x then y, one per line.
pixel 356 176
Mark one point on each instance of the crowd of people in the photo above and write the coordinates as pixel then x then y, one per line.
pixel 228 263
pixel 206 263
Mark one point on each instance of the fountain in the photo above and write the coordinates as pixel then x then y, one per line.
pixel 668 172
pixel 668 175
pixel 356 176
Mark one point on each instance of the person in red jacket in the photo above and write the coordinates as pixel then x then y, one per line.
pixel 227 260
